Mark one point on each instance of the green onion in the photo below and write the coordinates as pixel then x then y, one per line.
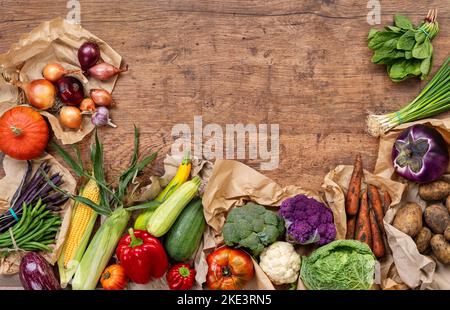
pixel 434 99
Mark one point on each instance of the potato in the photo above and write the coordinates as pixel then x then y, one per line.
pixel 447 233
pixel 441 249
pixel 447 204
pixel 437 190
pixel 409 219
pixel 422 239
pixel 437 218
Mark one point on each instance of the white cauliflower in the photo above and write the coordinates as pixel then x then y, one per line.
pixel 280 263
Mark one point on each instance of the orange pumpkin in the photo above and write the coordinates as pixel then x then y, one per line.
pixel 23 133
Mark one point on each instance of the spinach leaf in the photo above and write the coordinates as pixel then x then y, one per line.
pixel 408 54
pixel 393 29
pixel 372 33
pixel 407 41
pixel 402 21
pixel 380 38
pixel 420 36
pixel 422 50
pixel 425 68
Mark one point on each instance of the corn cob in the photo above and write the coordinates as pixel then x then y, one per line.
pixel 182 175
pixel 80 229
pixel 100 250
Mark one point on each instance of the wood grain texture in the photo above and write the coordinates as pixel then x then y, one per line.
pixel 302 64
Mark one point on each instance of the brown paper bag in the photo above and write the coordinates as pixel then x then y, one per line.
pixel 14 170
pixel 336 185
pixel 416 270
pixel 52 41
pixel 232 184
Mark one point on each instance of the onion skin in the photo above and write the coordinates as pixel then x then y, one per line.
pixel 70 117
pixel 104 71
pixel 54 71
pixel 88 55
pixel 41 94
pixel 101 97
pixel 420 154
pixel 71 90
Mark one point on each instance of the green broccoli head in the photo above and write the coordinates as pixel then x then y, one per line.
pixel 253 227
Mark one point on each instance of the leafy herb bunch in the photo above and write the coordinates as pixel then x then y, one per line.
pixel 404 48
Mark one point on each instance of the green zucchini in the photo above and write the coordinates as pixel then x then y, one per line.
pixel 184 237
pixel 167 213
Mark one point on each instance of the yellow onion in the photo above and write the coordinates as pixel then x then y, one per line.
pixel 70 117
pixel 41 94
pixel 54 71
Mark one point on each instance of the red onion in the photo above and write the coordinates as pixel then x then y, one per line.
pixel 420 154
pixel 70 90
pixel 104 71
pixel 101 117
pixel 88 55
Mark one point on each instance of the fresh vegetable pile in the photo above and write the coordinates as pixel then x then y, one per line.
pixel 61 91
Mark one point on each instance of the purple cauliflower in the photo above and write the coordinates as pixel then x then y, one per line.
pixel 307 221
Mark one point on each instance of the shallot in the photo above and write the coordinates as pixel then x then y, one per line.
pixel 54 71
pixel 87 105
pixel 88 55
pixel 70 90
pixel 101 97
pixel 101 117
pixel 104 71
pixel 41 94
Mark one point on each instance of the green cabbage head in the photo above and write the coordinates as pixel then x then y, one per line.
pixel 339 265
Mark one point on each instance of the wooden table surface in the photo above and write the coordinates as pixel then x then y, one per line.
pixel 303 65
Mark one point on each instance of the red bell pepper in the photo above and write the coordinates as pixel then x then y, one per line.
pixel 180 277
pixel 142 256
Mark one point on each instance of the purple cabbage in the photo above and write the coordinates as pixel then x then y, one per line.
pixel 420 154
pixel 307 221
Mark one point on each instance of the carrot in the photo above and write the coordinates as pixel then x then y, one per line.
pixel 362 230
pixel 354 188
pixel 375 203
pixel 386 201
pixel 378 247
pixel 351 220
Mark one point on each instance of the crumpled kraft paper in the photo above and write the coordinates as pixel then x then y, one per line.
pixel 416 270
pixel 52 41
pixel 335 187
pixel 14 171
pixel 232 184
